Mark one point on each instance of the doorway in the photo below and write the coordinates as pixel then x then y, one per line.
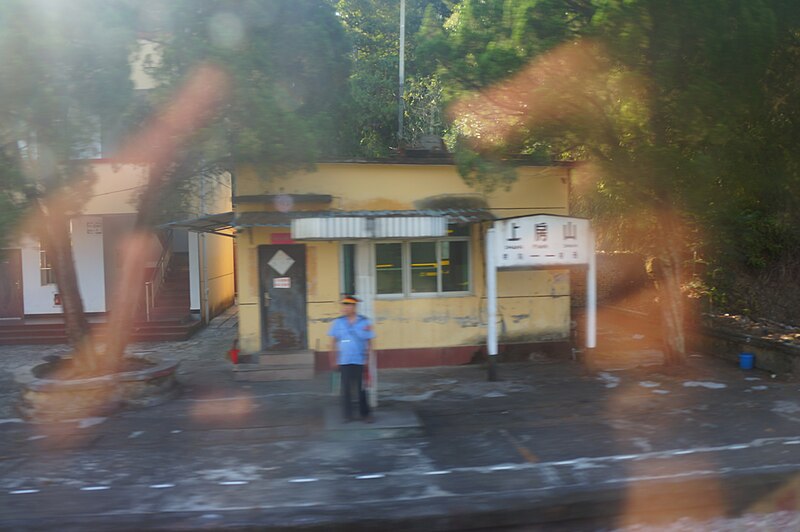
pixel 282 277
pixel 11 284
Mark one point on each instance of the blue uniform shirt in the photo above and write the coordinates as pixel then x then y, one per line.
pixel 351 338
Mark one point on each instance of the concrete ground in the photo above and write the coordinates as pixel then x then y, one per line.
pixel 551 445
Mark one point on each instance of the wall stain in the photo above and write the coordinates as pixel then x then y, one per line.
pixel 468 321
pixel 391 319
pixel 322 320
pixel 441 319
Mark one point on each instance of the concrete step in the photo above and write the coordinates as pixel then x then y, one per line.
pixel 295 358
pixel 38 340
pixel 174 291
pixel 172 302
pixel 11 325
pixel 169 331
pixel 176 311
pixel 260 373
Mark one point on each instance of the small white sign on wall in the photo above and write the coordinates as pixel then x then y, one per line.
pixel 94 227
pixel 282 282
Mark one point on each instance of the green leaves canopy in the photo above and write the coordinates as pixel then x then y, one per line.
pixel 287 65
pixel 64 84
pixel 655 93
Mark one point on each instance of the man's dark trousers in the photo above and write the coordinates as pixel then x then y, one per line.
pixel 352 378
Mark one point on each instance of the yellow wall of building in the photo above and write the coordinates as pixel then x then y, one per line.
pixel 532 305
pixel 247 243
pixel 115 188
pixel 358 186
pixel 219 263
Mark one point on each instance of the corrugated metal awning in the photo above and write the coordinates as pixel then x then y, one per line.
pixel 364 227
pixel 216 223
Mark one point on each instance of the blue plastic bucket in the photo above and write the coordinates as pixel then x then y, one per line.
pixel 746 360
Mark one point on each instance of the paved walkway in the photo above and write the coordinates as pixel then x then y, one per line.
pixel 549 443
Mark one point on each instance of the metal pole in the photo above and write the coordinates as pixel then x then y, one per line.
pixel 401 85
pixel 591 296
pixel 491 304
pixel 147 299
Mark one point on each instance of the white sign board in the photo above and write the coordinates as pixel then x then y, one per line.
pixel 542 240
pixel 282 282
pixel 538 241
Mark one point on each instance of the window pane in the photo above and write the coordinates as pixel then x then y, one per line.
pixel 389 268
pixel 348 268
pixel 457 229
pixel 46 274
pixel 423 267
pixel 455 266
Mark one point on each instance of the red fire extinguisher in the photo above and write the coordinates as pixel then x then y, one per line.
pixel 233 352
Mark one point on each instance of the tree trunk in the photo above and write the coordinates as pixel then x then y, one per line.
pixel 56 236
pixel 160 145
pixel 665 271
pixel 128 296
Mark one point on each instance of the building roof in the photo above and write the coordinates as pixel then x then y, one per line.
pixel 218 223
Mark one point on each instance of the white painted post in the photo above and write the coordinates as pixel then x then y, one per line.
pixel 491 303
pixel 591 296
pixel 365 292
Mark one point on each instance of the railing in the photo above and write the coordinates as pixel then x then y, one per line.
pixel 153 286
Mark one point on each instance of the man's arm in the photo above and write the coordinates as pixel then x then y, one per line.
pixel 365 330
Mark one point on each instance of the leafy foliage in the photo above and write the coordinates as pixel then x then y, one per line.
pixel 288 69
pixel 373 27
pixel 64 77
pixel 674 104
pixel 64 83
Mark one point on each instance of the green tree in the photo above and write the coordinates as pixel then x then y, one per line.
pixel 373 27
pixel 651 92
pixel 12 190
pixel 288 69
pixel 753 214
pixel 64 77
pixel 240 82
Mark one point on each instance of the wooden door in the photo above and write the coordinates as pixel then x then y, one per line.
pixel 282 269
pixel 10 284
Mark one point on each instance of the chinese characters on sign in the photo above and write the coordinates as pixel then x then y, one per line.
pixel 542 240
pixel 282 282
pixel 94 228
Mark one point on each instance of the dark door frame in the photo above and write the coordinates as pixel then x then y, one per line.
pixel 14 258
pixel 297 336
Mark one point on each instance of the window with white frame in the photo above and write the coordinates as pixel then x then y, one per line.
pixel 348 281
pixel 415 267
pixel 46 273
